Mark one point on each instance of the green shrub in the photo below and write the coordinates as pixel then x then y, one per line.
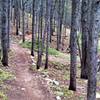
pixel 3 96
pixel 53 51
pixel 4 75
pixel 27 44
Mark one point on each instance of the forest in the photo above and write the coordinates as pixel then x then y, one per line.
pixel 49 49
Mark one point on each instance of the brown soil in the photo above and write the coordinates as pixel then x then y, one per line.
pixel 26 85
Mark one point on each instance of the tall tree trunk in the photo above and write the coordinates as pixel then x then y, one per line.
pixel 85 29
pixel 39 39
pixel 23 21
pixel 92 48
pixel 41 31
pixel 4 34
pixel 33 32
pixel 48 30
pixel 17 14
pixel 60 21
pixel 51 20
pixel 11 10
pixel 73 43
pixel 27 26
pixel 8 30
pixel 58 25
pixel 14 13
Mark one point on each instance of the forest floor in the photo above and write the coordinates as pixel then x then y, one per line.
pixel 26 85
pixel 51 84
pixel 31 84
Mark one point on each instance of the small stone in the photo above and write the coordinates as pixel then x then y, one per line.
pixel 58 98
pixel 98 60
pixel 32 57
pixel 23 89
pixel 33 61
pixel 20 33
pixel 49 80
pixel 44 76
pixel 15 78
pixel 55 82
pixel 33 64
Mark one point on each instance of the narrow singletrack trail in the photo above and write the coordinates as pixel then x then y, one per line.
pixel 27 85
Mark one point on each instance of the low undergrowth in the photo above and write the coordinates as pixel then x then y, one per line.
pixel 52 51
pixel 3 96
pixel 4 76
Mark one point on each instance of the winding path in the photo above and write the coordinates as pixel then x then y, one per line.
pixel 27 85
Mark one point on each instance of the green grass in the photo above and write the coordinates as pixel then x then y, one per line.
pixel 62 91
pixel 53 51
pixel 3 96
pixel 27 44
pixel 4 75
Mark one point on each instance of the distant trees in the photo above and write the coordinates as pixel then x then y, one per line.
pixel 60 16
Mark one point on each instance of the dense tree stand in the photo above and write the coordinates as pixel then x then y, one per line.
pixel 44 29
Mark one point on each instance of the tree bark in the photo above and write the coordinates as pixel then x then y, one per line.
pixel 33 32
pixel 85 29
pixel 23 21
pixel 4 34
pixel 48 31
pixel 73 44
pixel 94 29
pixel 9 4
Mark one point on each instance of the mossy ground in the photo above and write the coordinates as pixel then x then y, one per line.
pixel 4 76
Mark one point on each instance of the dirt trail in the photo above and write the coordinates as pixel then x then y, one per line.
pixel 27 85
